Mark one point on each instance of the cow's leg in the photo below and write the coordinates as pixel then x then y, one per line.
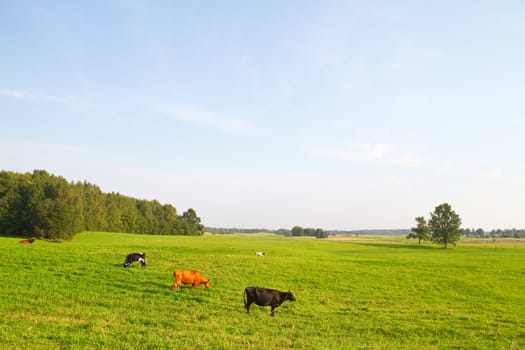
pixel 176 285
pixel 248 304
pixel 272 311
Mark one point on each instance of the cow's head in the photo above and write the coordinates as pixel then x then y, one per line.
pixel 290 296
pixel 207 283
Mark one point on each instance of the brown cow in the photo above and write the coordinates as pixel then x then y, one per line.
pixel 28 241
pixel 194 278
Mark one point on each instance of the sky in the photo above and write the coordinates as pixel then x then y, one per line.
pixel 269 114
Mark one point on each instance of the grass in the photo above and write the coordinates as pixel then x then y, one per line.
pixel 359 293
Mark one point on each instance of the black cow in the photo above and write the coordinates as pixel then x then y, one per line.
pixel 265 297
pixel 135 257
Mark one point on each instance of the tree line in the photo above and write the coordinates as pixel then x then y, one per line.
pixel 226 230
pixel 48 206
pixel 313 232
pixel 499 233
pixel 296 231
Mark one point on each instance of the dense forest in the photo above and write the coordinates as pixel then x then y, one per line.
pixel 48 206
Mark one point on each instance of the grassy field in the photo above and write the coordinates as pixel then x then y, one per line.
pixel 358 293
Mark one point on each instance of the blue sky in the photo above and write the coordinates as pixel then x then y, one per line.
pixel 330 114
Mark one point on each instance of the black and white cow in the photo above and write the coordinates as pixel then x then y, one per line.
pixel 135 257
pixel 265 297
pixel 260 254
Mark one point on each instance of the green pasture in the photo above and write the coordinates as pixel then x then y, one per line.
pixel 361 293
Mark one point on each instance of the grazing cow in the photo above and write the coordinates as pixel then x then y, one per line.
pixel 260 254
pixel 135 257
pixel 28 241
pixel 194 278
pixel 265 297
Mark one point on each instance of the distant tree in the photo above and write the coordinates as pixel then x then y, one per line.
pixel 421 231
pixel 320 233
pixel 445 225
pixel 297 231
pixel 309 231
pixel 192 223
pixel 283 231
pixel 480 233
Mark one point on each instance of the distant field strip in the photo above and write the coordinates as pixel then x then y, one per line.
pixel 365 292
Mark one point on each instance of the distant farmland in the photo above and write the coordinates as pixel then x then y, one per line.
pixel 366 292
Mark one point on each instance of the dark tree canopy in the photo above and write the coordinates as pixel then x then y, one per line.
pixel 315 232
pixel 191 223
pixel 49 207
pixel 297 231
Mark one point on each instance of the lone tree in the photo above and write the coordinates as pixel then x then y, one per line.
pixel 444 225
pixel 421 232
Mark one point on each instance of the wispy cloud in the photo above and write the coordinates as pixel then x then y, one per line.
pixel 207 119
pixel 469 167
pixel 186 114
pixel 378 153
pixel 25 95
pixel 445 167
pixel 514 24
pixel 493 173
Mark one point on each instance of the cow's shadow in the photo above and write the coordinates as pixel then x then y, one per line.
pixel 197 295
pixel 121 265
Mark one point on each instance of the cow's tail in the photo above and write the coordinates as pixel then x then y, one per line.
pixel 245 298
